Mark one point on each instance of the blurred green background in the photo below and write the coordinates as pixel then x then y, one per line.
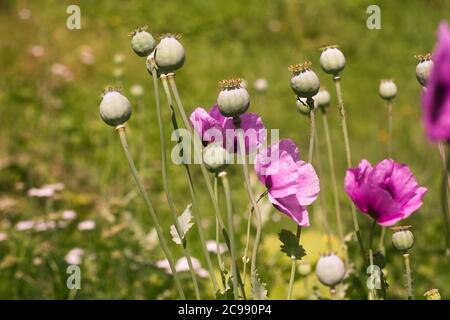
pixel 51 81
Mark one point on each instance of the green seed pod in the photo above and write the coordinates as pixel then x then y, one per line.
pixel 322 99
pixel 402 238
pixel 387 89
pixel 215 157
pixel 332 60
pixel 115 108
pixel 233 99
pixel 142 42
pixel 330 270
pixel 423 68
pixel 304 268
pixel 304 81
pixel 169 54
pixel 432 294
pixel 302 106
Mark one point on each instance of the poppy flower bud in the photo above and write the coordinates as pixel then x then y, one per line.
pixel 330 270
pixel 115 108
pixel 304 81
pixel 169 53
pixel 142 42
pixel 322 99
pixel 302 106
pixel 423 68
pixel 432 294
pixel 387 89
pixel 233 99
pixel 304 268
pixel 215 157
pixel 332 60
pixel 402 238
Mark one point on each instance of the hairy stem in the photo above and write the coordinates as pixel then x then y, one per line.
pixel 140 185
pixel 445 206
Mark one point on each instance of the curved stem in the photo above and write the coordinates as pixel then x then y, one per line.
pixel 140 185
pixel 169 197
pixel 337 84
pixel 195 207
pixel 247 241
pixel 218 252
pixel 227 192
pixel 197 155
pixel 408 276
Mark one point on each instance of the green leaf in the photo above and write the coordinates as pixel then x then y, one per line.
pixel 185 222
pixel 259 291
pixel 290 244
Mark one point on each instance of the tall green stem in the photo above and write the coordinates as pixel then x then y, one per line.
pixel 195 207
pixel 390 131
pixel 226 188
pixel 408 276
pixel 445 200
pixel 312 130
pixel 198 155
pixel 337 207
pixel 372 291
pixel 247 237
pixel 169 197
pixel 140 185
pixel 241 142
pixel 337 83
pixel 322 197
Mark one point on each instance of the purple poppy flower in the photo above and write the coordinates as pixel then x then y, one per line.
pixel 292 183
pixel 436 97
pixel 387 192
pixel 213 126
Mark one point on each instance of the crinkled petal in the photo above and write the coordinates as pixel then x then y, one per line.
pixel 308 185
pixel 205 125
pixel 290 206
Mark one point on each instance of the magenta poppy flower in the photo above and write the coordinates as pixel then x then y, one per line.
pixel 292 184
pixel 213 126
pixel 436 97
pixel 387 192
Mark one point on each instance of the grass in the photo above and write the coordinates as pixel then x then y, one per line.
pixel 51 132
